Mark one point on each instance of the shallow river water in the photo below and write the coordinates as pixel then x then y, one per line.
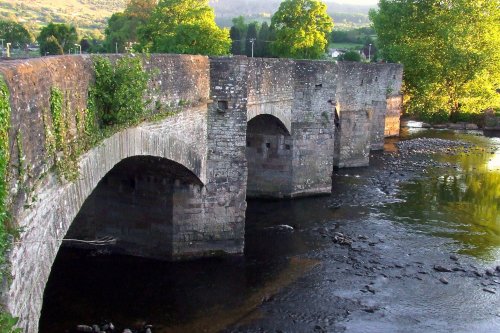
pixel 409 244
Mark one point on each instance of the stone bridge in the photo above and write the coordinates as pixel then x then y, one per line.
pixel 177 187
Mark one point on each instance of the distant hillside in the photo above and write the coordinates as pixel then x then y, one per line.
pixel 91 16
pixel 347 16
pixel 87 15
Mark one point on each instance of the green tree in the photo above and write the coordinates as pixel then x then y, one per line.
pixel 51 46
pixel 449 49
pixel 302 28
pixel 235 35
pixel 184 26
pixel 350 56
pixel 122 28
pixel 15 33
pixel 140 9
pixel 251 38
pixel 65 35
pixel 239 23
pixel 265 36
pixel 120 31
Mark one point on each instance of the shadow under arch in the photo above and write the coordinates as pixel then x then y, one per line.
pixel 269 157
pixel 136 205
pixel 47 221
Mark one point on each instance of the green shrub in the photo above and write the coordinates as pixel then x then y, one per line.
pixel 117 96
pixel 350 56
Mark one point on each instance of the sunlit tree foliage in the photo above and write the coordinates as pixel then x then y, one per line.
pixel 450 50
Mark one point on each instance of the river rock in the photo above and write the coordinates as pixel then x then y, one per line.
pixel 340 238
pixel 490 272
pixel 454 257
pixel 96 329
pixel 470 126
pixel 497 269
pixel 84 328
pixel 108 327
pixel 491 291
pixel 443 280
pixel 440 268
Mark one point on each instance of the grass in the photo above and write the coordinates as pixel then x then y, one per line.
pixel 347 46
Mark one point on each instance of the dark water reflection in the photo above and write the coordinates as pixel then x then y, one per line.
pixel 461 201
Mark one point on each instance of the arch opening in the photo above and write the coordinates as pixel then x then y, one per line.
pixel 269 157
pixel 137 205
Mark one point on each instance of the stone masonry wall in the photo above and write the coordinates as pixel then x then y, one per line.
pixel 270 88
pixel 269 144
pixel 313 130
pixel 225 202
pixel 393 115
pixel 362 104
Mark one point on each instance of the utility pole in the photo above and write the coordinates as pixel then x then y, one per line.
pixel 369 52
pixel 8 50
pixel 252 41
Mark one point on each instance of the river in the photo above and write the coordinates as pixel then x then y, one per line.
pixel 409 244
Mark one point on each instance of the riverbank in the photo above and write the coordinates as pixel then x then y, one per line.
pixel 489 123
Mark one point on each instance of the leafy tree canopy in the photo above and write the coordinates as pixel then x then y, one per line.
pixel 302 28
pixel 65 35
pixel 141 9
pixel 15 33
pixel 449 49
pixel 122 27
pixel 235 35
pixel 184 26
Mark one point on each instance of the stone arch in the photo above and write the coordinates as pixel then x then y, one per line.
pixel 269 157
pixel 283 115
pixel 46 223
